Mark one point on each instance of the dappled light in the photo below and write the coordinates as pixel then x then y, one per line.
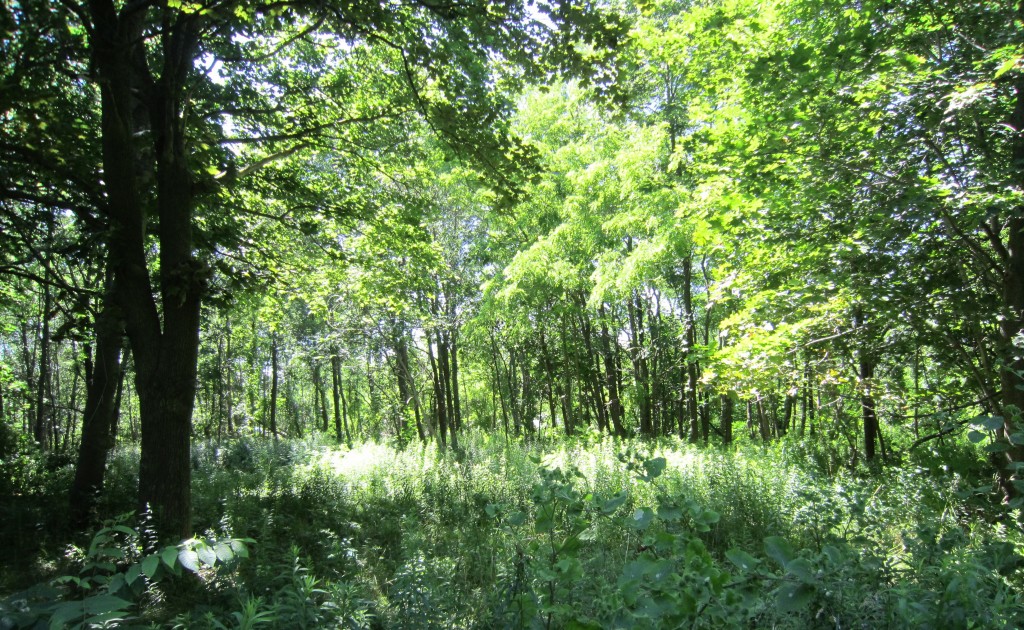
pixel 512 314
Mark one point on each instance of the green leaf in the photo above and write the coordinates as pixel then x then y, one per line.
pixel 991 423
pixel 641 518
pixel 1006 66
pixel 516 519
pixel 710 517
pixel 975 436
pixel 134 572
pixel 802 570
pixel 654 468
pixel 741 559
pixel 778 549
pixel 238 546
pixel 670 512
pixel 613 503
pixel 169 555
pixel 997 447
pixel 206 554
pixel 189 559
pixel 793 597
pixel 223 551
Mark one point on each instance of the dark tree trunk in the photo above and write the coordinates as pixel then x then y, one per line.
pixel 321 395
pixel 338 395
pixel 727 416
pixel 42 407
pixel 404 377
pixel 103 380
pixel 691 343
pixel 445 380
pixel 274 377
pixel 866 371
pixel 440 410
pixel 552 379
pixel 611 382
pixel 164 335
pixel 568 416
pixel 639 361
pixel 453 353
pixel 1012 322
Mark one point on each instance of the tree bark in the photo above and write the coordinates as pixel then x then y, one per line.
pixel 274 377
pixel 164 336
pixel 100 416
pixel 611 382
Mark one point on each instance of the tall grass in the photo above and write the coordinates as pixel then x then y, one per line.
pixel 416 537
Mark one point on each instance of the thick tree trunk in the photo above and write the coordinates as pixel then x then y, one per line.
pixel 1012 320
pixel 164 336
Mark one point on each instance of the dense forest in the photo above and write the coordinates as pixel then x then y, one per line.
pixel 505 314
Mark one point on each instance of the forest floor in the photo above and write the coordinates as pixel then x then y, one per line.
pixel 587 533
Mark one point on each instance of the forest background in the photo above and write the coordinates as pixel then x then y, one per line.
pixel 488 314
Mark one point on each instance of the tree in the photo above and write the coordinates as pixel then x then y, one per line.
pixel 171 75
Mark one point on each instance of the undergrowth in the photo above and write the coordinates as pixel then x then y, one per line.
pixel 586 534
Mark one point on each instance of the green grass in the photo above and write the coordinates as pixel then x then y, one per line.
pixel 570 534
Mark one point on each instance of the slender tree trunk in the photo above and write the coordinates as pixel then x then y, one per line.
pixel 104 379
pixel 727 417
pixel 43 384
pixel 549 370
pixel 568 415
pixel 615 411
pixel 866 372
pixel 636 355
pixel 337 393
pixel 453 353
pixel 403 376
pixel 274 376
pixel 321 394
pixel 445 376
pixel 440 410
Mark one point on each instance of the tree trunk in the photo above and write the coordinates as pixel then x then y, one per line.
pixel 727 416
pixel 403 376
pixel 1012 320
pixel 337 393
pixel 549 370
pixel 453 354
pixel 164 336
pixel 321 394
pixel 274 369
pixel 440 410
pixel 42 407
pixel 611 382
pixel 636 355
pixel 99 419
